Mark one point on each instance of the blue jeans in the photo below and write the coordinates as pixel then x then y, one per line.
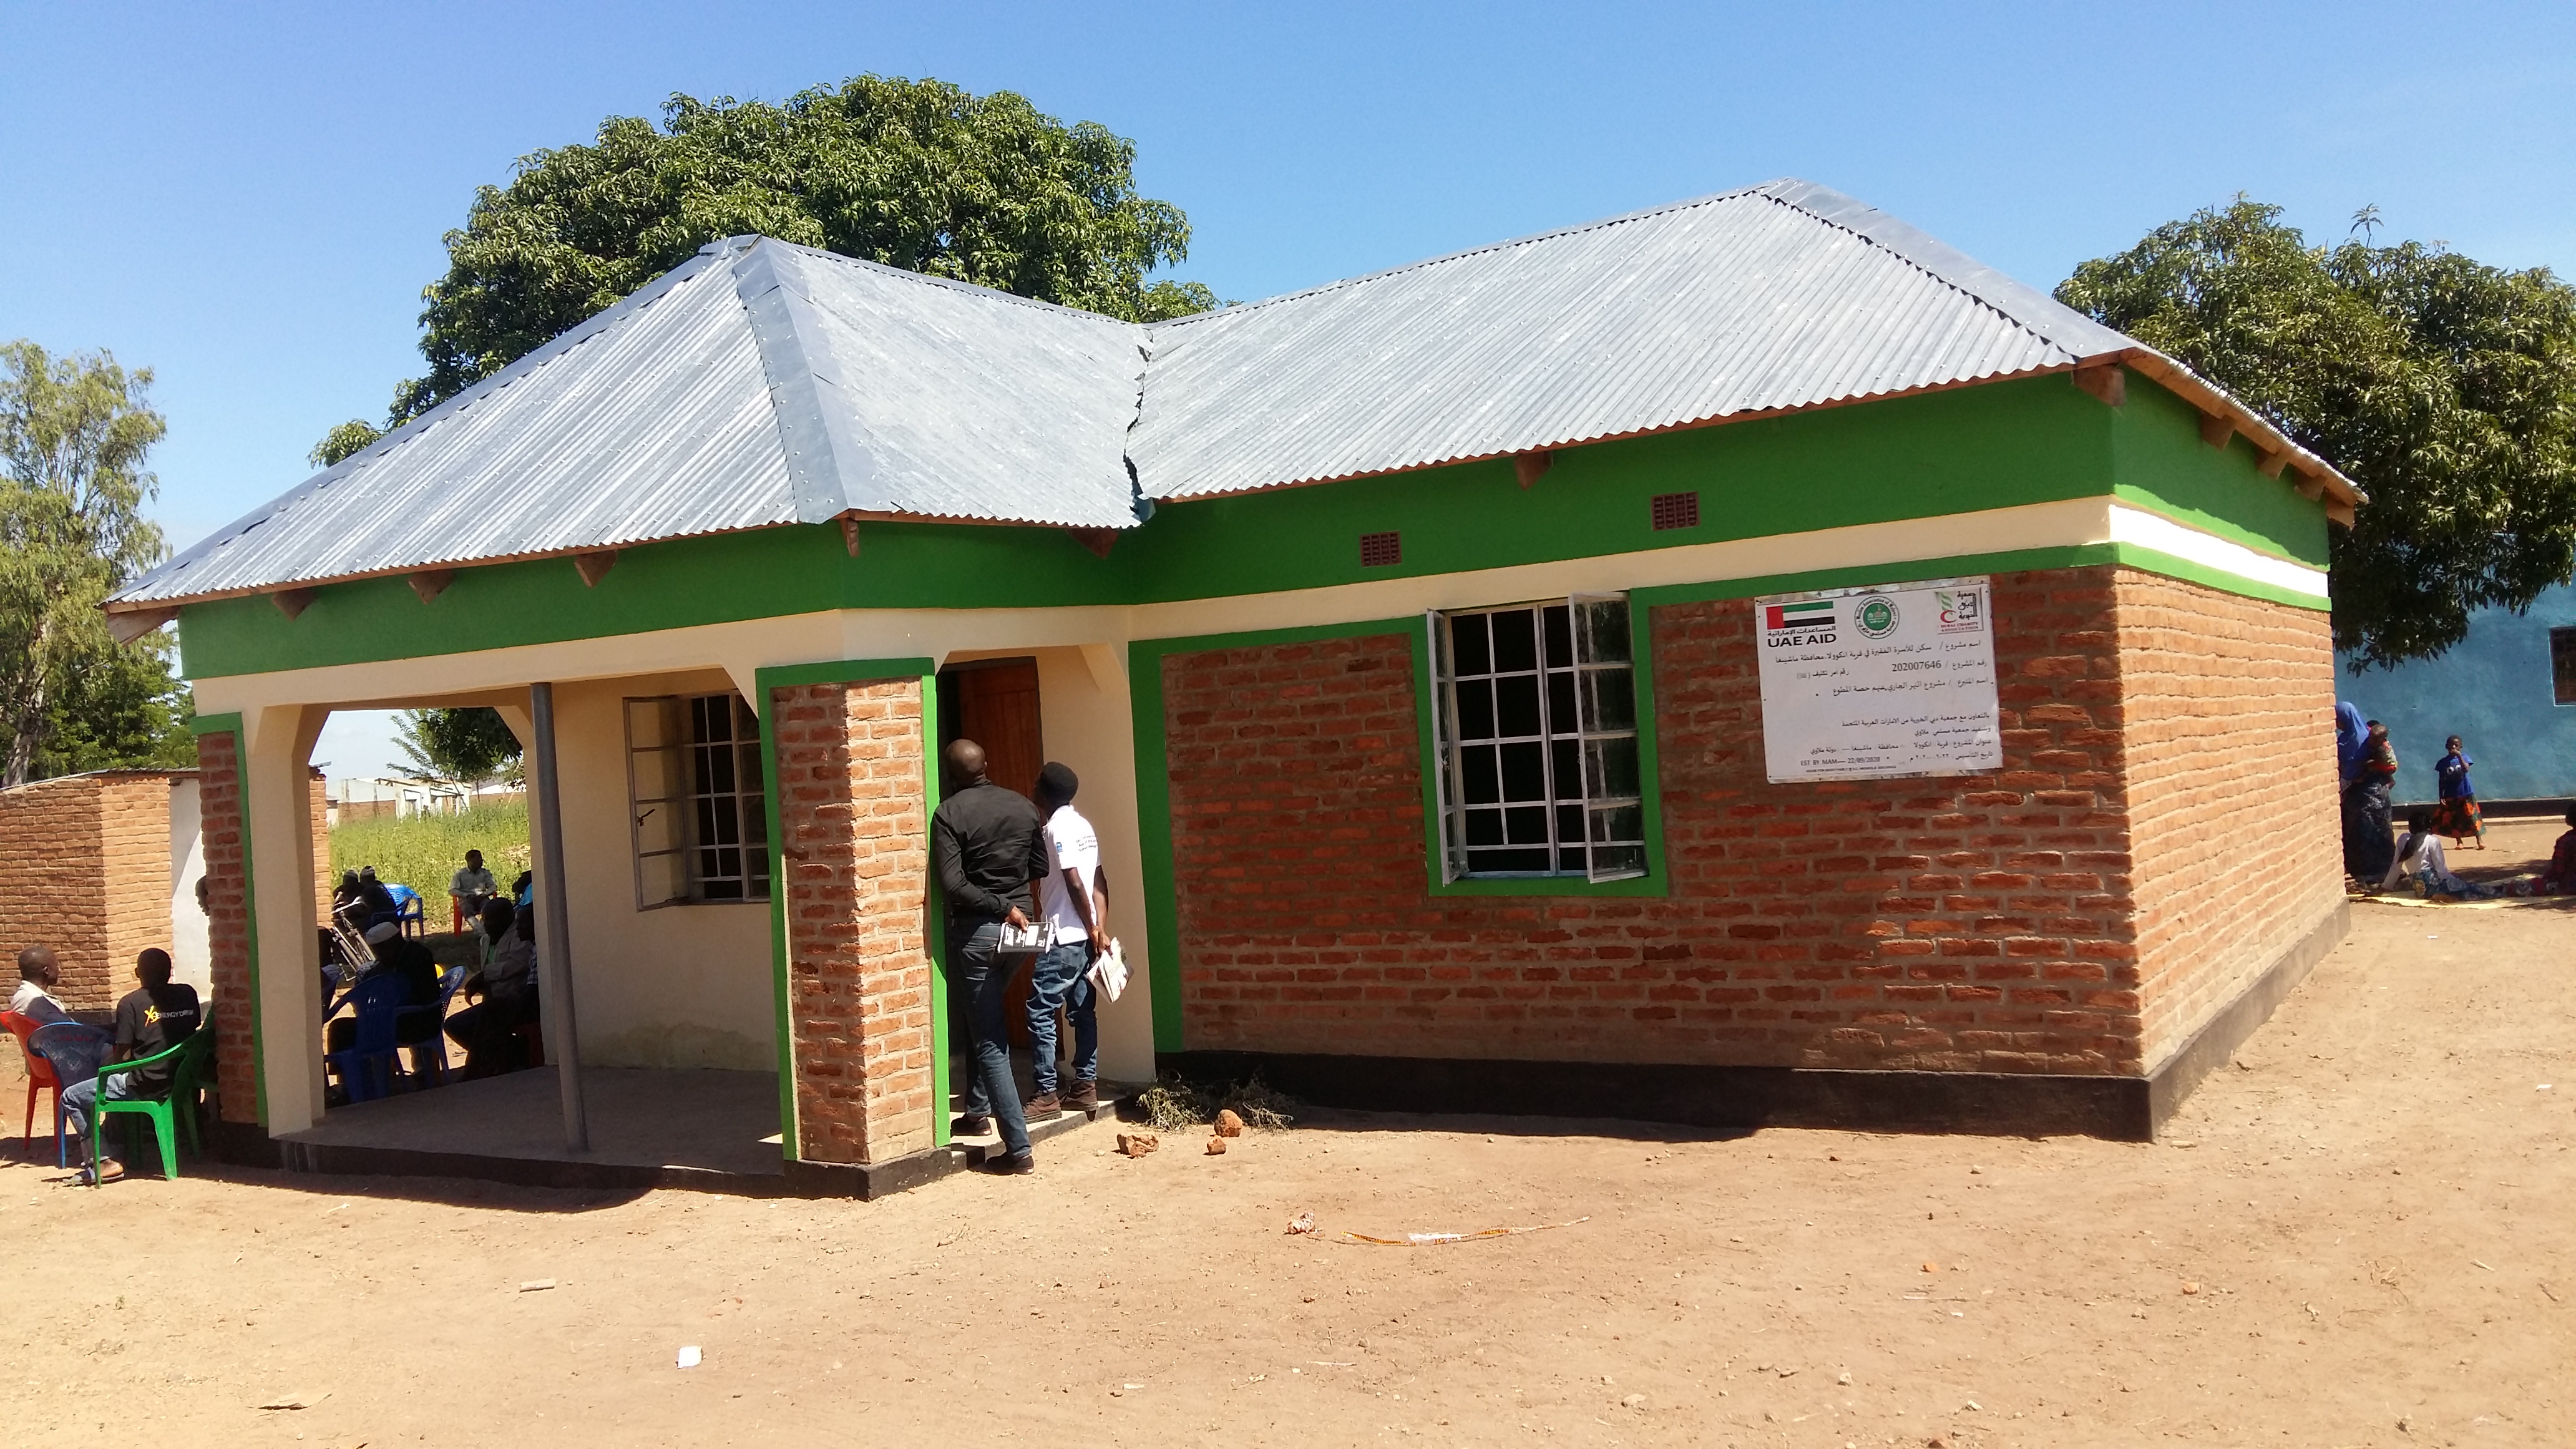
pixel 80 1101
pixel 1061 982
pixel 986 978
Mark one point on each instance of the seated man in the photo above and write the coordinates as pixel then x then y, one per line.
pixel 410 960
pixel 2558 880
pixel 38 974
pixel 469 888
pixel 508 983
pixel 380 906
pixel 159 1016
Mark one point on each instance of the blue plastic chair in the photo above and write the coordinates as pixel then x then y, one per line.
pixel 408 912
pixel 436 1046
pixel 368 1066
pixel 74 1051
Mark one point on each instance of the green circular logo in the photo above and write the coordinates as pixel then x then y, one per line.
pixel 1876 617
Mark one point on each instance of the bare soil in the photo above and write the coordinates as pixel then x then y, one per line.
pixel 2360 1233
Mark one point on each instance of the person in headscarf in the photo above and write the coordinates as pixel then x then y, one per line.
pixel 2368 811
pixel 2352 741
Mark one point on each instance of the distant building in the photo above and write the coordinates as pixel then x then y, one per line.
pixel 356 797
pixel 2508 691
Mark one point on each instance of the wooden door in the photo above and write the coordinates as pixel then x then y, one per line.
pixel 998 709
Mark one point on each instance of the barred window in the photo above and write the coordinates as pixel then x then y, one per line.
pixel 2562 664
pixel 1538 741
pixel 696 800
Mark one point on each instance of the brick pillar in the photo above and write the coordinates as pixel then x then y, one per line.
pixel 856 842
pixel 318 799
pixel 219 786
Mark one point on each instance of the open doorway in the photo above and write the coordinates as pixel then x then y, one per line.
pixel 995 703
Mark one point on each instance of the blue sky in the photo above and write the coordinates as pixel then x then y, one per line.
pixel 247 199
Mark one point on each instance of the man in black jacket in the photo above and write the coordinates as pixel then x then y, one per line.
pixel 986 842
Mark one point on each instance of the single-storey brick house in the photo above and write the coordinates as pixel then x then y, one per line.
pixel 1490 678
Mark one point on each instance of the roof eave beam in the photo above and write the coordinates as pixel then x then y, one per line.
pixel 595 565
pixel 129 625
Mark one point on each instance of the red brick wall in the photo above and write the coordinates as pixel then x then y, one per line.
pixel 87 861
pixel 55 895
pixel 219 802
pixel 856 846
pixel 1983 923
pixel 2232 826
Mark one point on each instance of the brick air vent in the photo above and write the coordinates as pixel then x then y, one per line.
pixel 1676 510
pixel 1377 550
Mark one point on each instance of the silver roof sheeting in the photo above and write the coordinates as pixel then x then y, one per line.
pixel 1780 296
pixel 762 384
pixel 756 384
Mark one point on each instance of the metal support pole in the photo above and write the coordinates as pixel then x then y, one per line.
pixel 554 963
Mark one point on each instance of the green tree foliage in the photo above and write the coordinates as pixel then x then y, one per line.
pixel 465 746
pixel 346 440
pixel 74 432
pixel 914 174
pixel 2445 387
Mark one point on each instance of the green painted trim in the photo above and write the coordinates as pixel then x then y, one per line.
pixel 791 676
pixel 217 724
pixel 2184 569
pixel 2159 462
pixel 2005 444
pixel 935 906
pixel 1154 794
pixel 1655 882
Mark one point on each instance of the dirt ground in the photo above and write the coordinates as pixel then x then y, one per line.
pixel 2359 1234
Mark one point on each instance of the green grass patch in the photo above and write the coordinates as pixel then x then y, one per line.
pixel 422 851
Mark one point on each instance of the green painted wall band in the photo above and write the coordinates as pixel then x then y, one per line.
pixel 2006 444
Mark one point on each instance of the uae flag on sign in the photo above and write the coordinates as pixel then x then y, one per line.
pixel 1813 614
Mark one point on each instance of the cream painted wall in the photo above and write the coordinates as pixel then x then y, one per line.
pixel 189 955
pixel 675 986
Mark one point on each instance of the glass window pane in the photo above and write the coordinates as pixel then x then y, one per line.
pixel 1560 636
pixel 1561 714
pixel 1525 824
pixel 1610 768
pixel 1511 862
pixel 1618 824
pixel 1610 700
pixel 1601 632
pixel 1515 641
pixel 1467 641
pixel 1565 763
pixel 1479 781
pixel 1516 705
pixel 1524 771
pixel 1476 709
pixel 1484 827
pixel 1618 862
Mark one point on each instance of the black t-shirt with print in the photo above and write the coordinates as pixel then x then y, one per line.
pixel 152 1020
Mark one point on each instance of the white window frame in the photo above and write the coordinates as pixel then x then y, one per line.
pixel 670 820
pixel 1600 660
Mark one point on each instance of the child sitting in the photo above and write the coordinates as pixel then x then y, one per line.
pixel 2421 856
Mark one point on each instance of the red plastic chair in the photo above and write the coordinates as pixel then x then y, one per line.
pixel 40 1076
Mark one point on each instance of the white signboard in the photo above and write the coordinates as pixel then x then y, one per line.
pixel 1869 684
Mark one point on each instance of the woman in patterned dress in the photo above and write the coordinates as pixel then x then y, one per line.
pixel 2457 814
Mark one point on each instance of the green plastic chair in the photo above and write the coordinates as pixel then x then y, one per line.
pixel 187 1062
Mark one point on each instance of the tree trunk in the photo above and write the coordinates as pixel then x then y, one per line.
pixel 27 722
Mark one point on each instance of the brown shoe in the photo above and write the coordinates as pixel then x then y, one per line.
pixel 1043 1107
pixel 1085 1097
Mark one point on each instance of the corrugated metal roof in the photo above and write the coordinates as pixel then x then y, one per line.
pixel 762 383
pixel 757 384
pixel 1779 296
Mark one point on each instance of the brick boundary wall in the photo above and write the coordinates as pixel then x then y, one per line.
pixel 134 871
pixel 855 842
pixel 219 803
pixel 55 893
pixel 1986 923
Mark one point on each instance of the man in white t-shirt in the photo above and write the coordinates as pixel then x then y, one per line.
pixel 1074 896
